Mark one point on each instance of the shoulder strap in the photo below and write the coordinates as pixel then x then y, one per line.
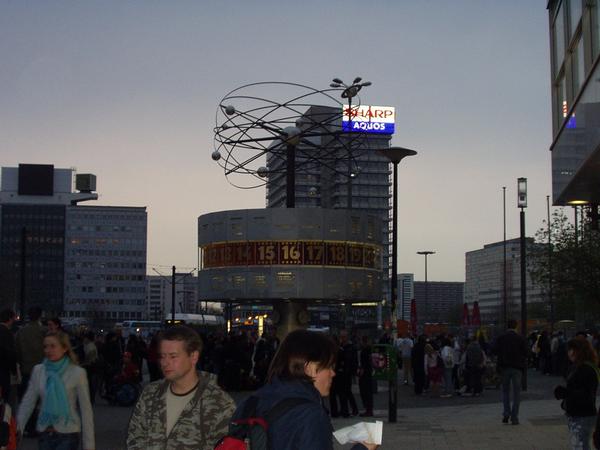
pixel 250 407
pixel 282 407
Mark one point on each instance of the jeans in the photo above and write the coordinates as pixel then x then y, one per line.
pixel 580 431
pixel 58 441
pixel 514 377
pixel 448 385
pixel 406 368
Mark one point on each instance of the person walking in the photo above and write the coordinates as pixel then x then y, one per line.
pixel 448 358
pixel 186 410
pixel 405 346
pixel 365 377
pixel 62 386
pixel 8 352
pixel 418 364
pixel 433 369
pixel 512 350
pixel 579 395
pixel 348 368
pixel 301 369
pixel 474 366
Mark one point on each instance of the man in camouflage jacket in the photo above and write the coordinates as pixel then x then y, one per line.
pixel 196 426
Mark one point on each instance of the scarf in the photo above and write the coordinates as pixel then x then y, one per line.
pixel 56 405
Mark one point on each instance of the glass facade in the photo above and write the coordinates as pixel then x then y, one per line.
pixel 43 227
pixel 575 34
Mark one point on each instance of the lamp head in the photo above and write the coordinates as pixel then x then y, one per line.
pixel 522 192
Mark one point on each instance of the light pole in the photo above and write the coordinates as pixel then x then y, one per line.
pixel 552 319
pixel 504 290
pixel 426 253
pixel 350 92
pixel 395 155
pixel 522 203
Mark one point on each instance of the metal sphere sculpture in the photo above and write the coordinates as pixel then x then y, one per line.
pixel 253 131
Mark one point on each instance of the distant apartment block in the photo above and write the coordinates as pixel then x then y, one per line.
pixel 159 299
pixel 437 301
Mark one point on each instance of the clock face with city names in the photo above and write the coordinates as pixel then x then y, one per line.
pixel 292 253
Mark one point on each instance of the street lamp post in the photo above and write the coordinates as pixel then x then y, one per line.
pixel 395 155
pixel 504 286
pixel 426 253
pixel 522 203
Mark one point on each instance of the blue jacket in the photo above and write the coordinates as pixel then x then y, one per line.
pixel 306 426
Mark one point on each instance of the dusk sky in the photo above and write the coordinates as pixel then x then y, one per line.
pixel 129 90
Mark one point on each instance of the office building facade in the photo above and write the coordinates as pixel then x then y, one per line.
pixel 484 281
pixel 105 263
pixel 575 70
pixel 73 261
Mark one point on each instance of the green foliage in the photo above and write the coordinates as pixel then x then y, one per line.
pixel 570 266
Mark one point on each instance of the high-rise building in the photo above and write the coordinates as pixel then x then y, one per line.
pixel 73 261
pixel 484 280
pixel 105 263
pixel 349 164
pixel 575 52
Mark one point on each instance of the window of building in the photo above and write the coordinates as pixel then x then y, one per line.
pixel 575 9
pixel 561 107
pixel 559 39
pixel 578 66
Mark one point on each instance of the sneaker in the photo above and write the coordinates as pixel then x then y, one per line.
pixel 515 421
pixel 505 419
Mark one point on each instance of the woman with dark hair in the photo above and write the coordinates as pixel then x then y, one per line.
pixel 65 402
pixel 579 396
pixel 302 368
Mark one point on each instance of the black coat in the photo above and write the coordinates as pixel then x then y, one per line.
pixel 8 351
pixel 512 351
pixel 580 394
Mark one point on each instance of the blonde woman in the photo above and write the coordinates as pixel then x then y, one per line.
pixel 62 387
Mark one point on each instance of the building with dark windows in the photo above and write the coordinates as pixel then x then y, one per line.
pixel 79 262
pixel 327 185
pixel 32 250
pixel 575 71
pixel 438 301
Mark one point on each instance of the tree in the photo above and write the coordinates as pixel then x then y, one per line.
pixel 569 268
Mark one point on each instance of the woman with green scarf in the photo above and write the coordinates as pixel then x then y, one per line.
pixel 62 386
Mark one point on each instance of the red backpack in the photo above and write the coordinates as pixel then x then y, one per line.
pixel 252 432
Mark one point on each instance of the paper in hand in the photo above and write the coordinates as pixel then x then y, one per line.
pixel 360 432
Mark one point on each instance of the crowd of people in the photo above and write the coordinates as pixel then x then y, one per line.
pixel 54 377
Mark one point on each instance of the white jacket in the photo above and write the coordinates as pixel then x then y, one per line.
pixel 76 385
